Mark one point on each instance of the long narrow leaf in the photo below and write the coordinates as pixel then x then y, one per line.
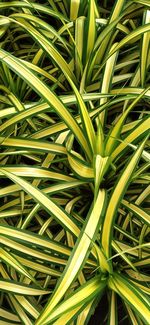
pixel 78 256
pixel 115 200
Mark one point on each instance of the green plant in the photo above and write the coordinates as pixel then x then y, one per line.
pixel 74 213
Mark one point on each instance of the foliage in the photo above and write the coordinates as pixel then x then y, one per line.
pixel 74 191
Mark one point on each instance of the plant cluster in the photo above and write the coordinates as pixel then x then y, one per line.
pixel 74 162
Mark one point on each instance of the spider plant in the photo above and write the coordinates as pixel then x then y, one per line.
pixel 74 162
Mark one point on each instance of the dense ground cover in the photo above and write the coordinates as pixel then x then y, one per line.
pixel 74 162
